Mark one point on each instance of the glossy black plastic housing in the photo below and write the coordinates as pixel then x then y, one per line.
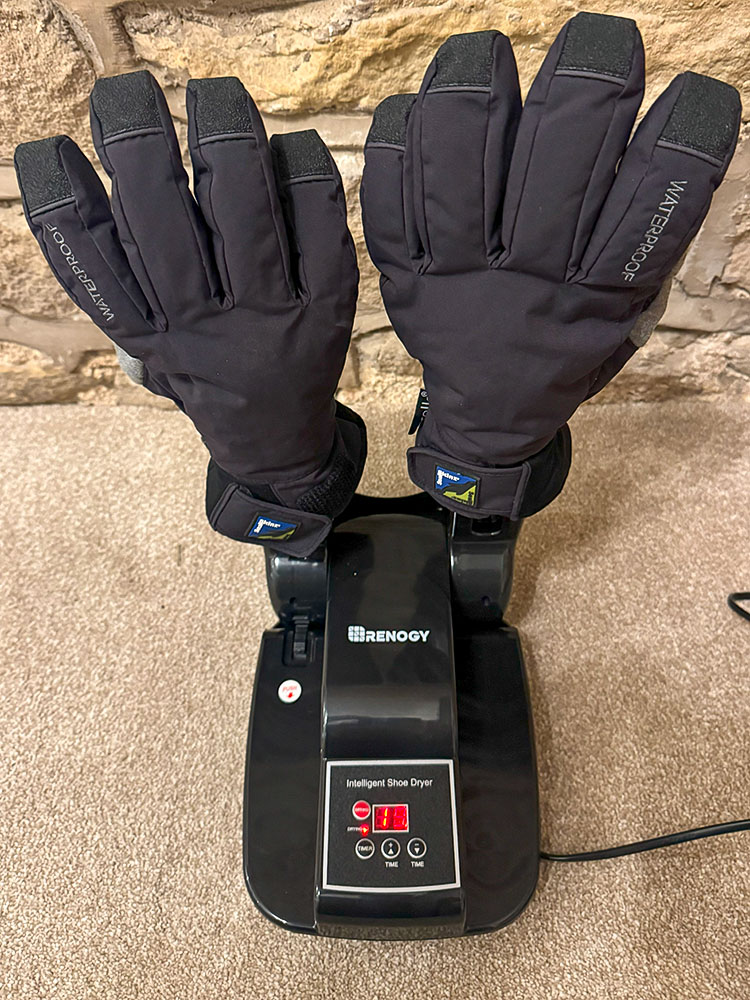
pixel 463 697
pixel 398 701
pixel 389 702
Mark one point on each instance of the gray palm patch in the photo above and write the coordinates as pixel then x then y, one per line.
pixel 133 368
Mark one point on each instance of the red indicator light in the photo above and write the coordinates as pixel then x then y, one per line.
pixel 391 818
pixel 364 829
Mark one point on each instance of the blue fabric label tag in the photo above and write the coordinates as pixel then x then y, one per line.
pixel 456 486
pixel 267 527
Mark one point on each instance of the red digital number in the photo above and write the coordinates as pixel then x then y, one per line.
pixel 391 817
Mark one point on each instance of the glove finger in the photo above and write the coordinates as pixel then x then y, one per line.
pixel 664 186
pixel 574 128
pixel 155 213
pixel 235 189
pixel 312 197
pixel 68 212
pixel 382 192
pixel 460 140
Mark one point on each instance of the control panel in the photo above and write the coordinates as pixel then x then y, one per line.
pixel 390 826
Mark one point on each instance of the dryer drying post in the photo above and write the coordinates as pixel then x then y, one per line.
pixel 497 762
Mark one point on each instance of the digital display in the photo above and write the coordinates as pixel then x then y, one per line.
pixel 391 818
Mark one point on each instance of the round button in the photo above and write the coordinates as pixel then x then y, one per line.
pixel 416 847
pixel 364 849
pixel 289 691
pixel 390 848
pixel 361 809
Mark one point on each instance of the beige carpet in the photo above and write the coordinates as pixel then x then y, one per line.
pixel 129 633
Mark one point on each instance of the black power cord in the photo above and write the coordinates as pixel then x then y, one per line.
pixel 736 826
pixel 734 603
pixel 639 846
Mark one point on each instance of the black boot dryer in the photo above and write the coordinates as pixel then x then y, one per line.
pixel 391 789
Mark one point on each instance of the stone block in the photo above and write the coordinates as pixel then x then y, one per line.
pixel 45 75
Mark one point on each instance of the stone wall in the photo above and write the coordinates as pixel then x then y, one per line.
pixel 326 64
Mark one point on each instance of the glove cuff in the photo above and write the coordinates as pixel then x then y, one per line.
pixel 237 514
pixel 291 518
pixel 512 491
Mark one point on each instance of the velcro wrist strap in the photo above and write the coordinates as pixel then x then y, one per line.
pixel 239 515
pixel 472 490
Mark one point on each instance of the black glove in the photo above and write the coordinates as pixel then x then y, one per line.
pixel 523 252
pixel 239 307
